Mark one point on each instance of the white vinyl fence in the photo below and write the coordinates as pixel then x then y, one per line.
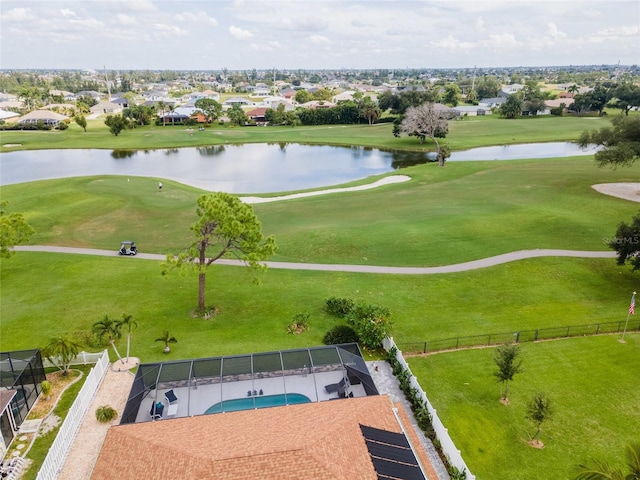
pixel 448 447
pixel 83 358
pixel 58 452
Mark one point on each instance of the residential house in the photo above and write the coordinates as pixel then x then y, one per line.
pixel 237 101
pixel 510 89
pixel 342 430
pixel 472 110
pixel 97 96
pixel 492 102
pixel 108 108
pixel 257 115
pixel 7 115
pixel 313 104
pixel 45 116
pixel 343 97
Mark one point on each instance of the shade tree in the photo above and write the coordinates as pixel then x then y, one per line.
pixel 626 243
pixel 14 230
pixel 620 143
pixel 225 226
pixel 210 108
pixel 425 121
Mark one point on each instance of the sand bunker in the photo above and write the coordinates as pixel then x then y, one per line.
pixel 628 191
pixel 383 181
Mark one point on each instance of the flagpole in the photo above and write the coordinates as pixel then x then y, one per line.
pixel 631 309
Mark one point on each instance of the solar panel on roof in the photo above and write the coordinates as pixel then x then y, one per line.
pixel 397 470
pixel 384 436
pixel 391 454
pixel 398 454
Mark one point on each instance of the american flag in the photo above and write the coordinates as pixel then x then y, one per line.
pixel 632 307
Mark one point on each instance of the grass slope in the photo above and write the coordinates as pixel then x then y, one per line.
pixel 592 382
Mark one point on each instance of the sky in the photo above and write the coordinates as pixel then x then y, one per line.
pixel 316 34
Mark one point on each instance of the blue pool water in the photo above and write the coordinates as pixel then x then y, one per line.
pixel 261 401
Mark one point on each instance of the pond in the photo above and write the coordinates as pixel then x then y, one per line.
pixel 248 168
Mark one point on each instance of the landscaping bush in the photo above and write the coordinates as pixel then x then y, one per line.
pixel 299 323
pixel 339 307
pixel 105 413
pixel 340 334
pixel 372 323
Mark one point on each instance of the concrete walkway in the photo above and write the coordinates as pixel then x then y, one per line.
pixel 85 448
pixel 457 267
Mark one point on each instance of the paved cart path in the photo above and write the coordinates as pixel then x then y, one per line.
pixel 457 267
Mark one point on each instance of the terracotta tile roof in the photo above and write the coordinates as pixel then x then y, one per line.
pixel 311 441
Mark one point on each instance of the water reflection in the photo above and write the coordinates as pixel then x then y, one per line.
pixel 123 154
pixel 249 168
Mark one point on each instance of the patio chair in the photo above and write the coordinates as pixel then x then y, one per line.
pixel 335 387
pixel 156 410
pixel 171 397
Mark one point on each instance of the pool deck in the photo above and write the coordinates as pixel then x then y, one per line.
pixel 195 400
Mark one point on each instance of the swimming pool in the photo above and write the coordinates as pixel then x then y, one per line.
pixel 261 401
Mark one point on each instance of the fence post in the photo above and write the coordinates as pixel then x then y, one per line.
pixel 568 328
pixel 425 348
pixel 535 336
pixel 517 337
pixel 489 340
pixel 597 329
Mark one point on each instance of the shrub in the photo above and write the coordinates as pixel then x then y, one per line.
pixel 105 414
pixel 339 307
pixel 372 323
pixel 299 323
pixel 340 334
pixel 62 126
pixel 45 386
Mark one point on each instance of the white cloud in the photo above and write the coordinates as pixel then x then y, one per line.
pixel 452 44
pixel 501 40
pixel 168 31
pixel 319 40
pixel 480 24
pixel 124 19
pixel 200 17
pixel 314 24
pixel 554 32
pixel 68 13
pixel 239 33
pixel 17 15
pixel 266 47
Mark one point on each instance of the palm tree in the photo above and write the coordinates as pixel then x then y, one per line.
pixel 166 339
pixel 110 330
pixel 131 324
pixel 573 89
pixel 60 351
pixel 604 471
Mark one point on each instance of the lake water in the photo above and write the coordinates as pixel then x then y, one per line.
pixel 249 168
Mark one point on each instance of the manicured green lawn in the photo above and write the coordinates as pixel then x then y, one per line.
pixel 467 133
pixel 592 382
pixel 45 294
pixel 465 211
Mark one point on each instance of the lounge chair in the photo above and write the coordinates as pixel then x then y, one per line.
pixel 156 410
pixel 171 397
pixel 336 387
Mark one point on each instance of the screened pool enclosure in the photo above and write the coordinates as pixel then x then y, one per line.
pixel 221 384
